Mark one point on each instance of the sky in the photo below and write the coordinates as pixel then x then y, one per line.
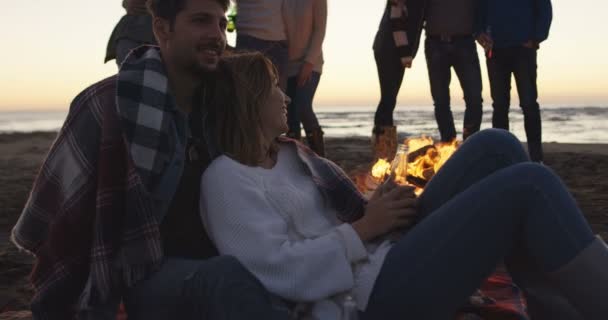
pixel 51 50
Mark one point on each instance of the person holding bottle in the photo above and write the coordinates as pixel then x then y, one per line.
pixel 298 223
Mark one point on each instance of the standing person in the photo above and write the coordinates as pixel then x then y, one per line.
pixel 133 30
pixel 510 32
pixel 260 27
pixel 300 225
pixel 395 47
pixel 450 44
pixel 305 21
pixel 113 213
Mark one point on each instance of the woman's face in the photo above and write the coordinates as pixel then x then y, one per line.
pixel 274 114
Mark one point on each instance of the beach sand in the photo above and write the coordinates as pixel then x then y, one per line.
pixel 583 167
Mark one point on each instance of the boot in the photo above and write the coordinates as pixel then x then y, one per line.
pixel 315 141
pixel 584 281
pixel 384 142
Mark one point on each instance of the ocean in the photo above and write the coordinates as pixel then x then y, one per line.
pixel 560 124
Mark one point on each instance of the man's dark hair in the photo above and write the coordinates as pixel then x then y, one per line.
pixel 168 9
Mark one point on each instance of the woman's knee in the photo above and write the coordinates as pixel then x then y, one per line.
pixel 499 141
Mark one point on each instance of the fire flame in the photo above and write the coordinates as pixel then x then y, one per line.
pixel 381 169
pixel 418 165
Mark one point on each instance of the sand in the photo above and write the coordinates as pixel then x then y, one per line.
pixel 583 167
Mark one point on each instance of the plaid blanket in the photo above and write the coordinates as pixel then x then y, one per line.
pixel 91 217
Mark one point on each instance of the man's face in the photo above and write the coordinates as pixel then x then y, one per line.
pixel 198 37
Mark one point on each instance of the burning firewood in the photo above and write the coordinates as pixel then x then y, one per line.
pixel 422 158
pixel 413 155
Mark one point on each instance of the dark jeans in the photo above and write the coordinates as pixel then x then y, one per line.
pixel 390 75
pixel 217 288
pixel 521 62
pixel 461 54
pixel 276 51
pixel 486 205
pixel 300 109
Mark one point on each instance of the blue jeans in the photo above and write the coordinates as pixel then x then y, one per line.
pixel 461 54
pixel 521 62
pixel 486 205
pixel 217 288
pixel 390 75
pixel 300 109
pixel 276 51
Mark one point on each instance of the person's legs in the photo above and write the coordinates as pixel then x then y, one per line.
pixel 218 288
pixel 479 156
pixel 304 96
pixel 276 51
pixel 390 75
pixel 466 65
pixel 433 269
pixel 499 73
pixel 484 153
pixel 525 80
pixel 439 63
pixel 304 99
pixel 293 118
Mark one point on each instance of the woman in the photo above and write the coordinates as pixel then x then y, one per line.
pixel 395 46
pixel 260 26
pixel 306 22
pixel 296 222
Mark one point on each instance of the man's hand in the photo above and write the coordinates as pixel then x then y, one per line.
pixel 485 41
pixel 305 73
pixel 530 44
pixel 386 211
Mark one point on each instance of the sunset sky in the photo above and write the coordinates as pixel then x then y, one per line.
pixel 51 50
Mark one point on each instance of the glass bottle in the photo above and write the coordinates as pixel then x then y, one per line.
pixel 349 309
pixel 231 16
pixel 399 164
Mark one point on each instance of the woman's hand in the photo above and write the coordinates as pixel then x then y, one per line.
pixel 390 207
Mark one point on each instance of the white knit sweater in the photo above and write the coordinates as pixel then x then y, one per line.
pixel 277 223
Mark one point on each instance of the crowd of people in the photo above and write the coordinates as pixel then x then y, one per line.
pixel 173 187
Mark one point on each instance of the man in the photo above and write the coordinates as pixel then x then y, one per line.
pixel 133 29
pixel 450 44
pixel 510 32
pixel 113 213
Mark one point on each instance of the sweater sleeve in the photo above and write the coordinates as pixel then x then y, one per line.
pixel 398 16
pixel 318 35
pixel 544 15
pixel 242 223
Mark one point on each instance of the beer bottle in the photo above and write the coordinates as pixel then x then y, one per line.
pixel 232 12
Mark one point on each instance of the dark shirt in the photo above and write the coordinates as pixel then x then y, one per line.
pixel 182 230
pixel 450 17
pixel 513 22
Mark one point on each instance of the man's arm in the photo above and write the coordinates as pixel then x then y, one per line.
pixel 543 16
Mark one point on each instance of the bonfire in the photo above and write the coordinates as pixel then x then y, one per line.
pixel 416 162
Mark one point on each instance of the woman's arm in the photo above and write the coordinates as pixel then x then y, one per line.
pixel 240 221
